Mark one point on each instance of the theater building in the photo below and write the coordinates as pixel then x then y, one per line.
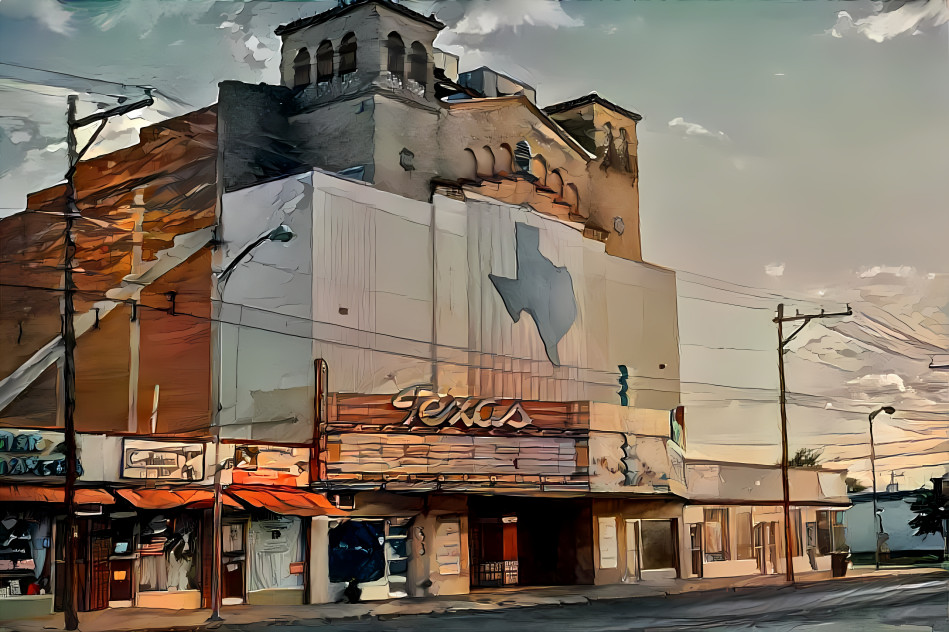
pixel 443 424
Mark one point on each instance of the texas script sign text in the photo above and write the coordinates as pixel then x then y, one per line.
pixel 427 407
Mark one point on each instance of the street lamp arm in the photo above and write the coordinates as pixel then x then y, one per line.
pixel 281 233
pixel 222 276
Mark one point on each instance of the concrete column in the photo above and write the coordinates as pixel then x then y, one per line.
pixel 319 560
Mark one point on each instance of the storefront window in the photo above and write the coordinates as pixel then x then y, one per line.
pixel 276 553
pixel 825 538
pixel 658 544
pixel 716 535
pixel 839 535
pixel 357 551
pixel 168 554
pixel 24 544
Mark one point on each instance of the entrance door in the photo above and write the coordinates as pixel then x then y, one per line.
pixel 773 546
pixel 634 564
pixel 493 544
pixel 766 547
pixel 695 540
pixel 233 561
pixel 760 548
pixel 100 547
pixel 509 549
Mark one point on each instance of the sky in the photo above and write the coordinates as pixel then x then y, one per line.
pixel 789 152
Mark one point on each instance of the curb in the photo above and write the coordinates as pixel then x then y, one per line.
pixel 452 606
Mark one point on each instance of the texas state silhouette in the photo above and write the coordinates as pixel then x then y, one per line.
pixel 541 289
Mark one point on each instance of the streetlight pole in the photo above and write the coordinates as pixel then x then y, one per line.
pixel 281 234
pixel 877 518
pixel 71 213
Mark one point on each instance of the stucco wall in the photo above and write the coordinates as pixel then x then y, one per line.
pixel 379 296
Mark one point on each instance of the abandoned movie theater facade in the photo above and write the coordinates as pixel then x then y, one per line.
pixel 458 373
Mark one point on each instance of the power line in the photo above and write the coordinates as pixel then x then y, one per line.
pixel 708 398
pixel 144 88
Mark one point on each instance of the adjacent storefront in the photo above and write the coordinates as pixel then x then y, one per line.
pixel 735 522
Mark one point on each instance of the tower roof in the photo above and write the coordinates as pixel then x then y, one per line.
pixel 593 97
pixel 343 9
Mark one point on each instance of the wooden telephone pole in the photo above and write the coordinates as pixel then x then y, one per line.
pixel 785 484
pixel 71 213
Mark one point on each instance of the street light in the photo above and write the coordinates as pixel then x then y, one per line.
pixel 282 234
pixel 889 410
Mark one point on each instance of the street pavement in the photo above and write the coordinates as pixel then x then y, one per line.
pixel 909 600
pixel 881 605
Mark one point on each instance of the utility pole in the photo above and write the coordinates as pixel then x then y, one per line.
pixel 785 484
pixel 70 213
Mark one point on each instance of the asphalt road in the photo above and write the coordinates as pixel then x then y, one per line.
pixel 899 604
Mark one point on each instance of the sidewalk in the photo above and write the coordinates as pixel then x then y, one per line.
pixel 123 619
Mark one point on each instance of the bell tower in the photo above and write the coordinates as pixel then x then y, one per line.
pixel 357 46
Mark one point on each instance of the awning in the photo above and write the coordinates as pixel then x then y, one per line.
pixel 40 494
pixel 286 501
pixel 171 498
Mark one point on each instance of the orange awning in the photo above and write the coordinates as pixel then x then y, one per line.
pixel 40 494
pixel 171 498
pixel 286 501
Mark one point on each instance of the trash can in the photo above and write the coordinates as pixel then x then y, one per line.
pixel 838 564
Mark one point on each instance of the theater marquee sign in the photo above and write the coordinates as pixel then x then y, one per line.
pixel 420 409
pixel 428 408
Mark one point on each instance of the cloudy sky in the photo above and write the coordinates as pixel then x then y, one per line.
pixel 796 150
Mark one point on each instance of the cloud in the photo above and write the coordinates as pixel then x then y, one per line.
pixel 887 24
pixel 694 129
pixel 878 383
pixel 484 16
pixel 774 269
pixel 898 271
pixel 49 13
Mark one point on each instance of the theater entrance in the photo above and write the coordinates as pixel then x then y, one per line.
pixel 529 541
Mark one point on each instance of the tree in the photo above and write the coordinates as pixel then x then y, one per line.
pixel 853 485
pixel 932 512
pixel 805 457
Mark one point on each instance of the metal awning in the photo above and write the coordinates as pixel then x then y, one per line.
pixel 287 501
pixel 41 494
pixel 194 498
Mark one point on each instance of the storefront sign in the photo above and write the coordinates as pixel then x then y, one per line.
pixel 428 408
pixel 162 460
pixel 32 453
pixel 271 465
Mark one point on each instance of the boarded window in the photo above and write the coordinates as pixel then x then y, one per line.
pixel 324 62
pixel 659 544
pixel 301 69
pixel 744 547
pixel 396 63
pixel 609 555
pixel 797 544
pixel 716 535
pixel 347 55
